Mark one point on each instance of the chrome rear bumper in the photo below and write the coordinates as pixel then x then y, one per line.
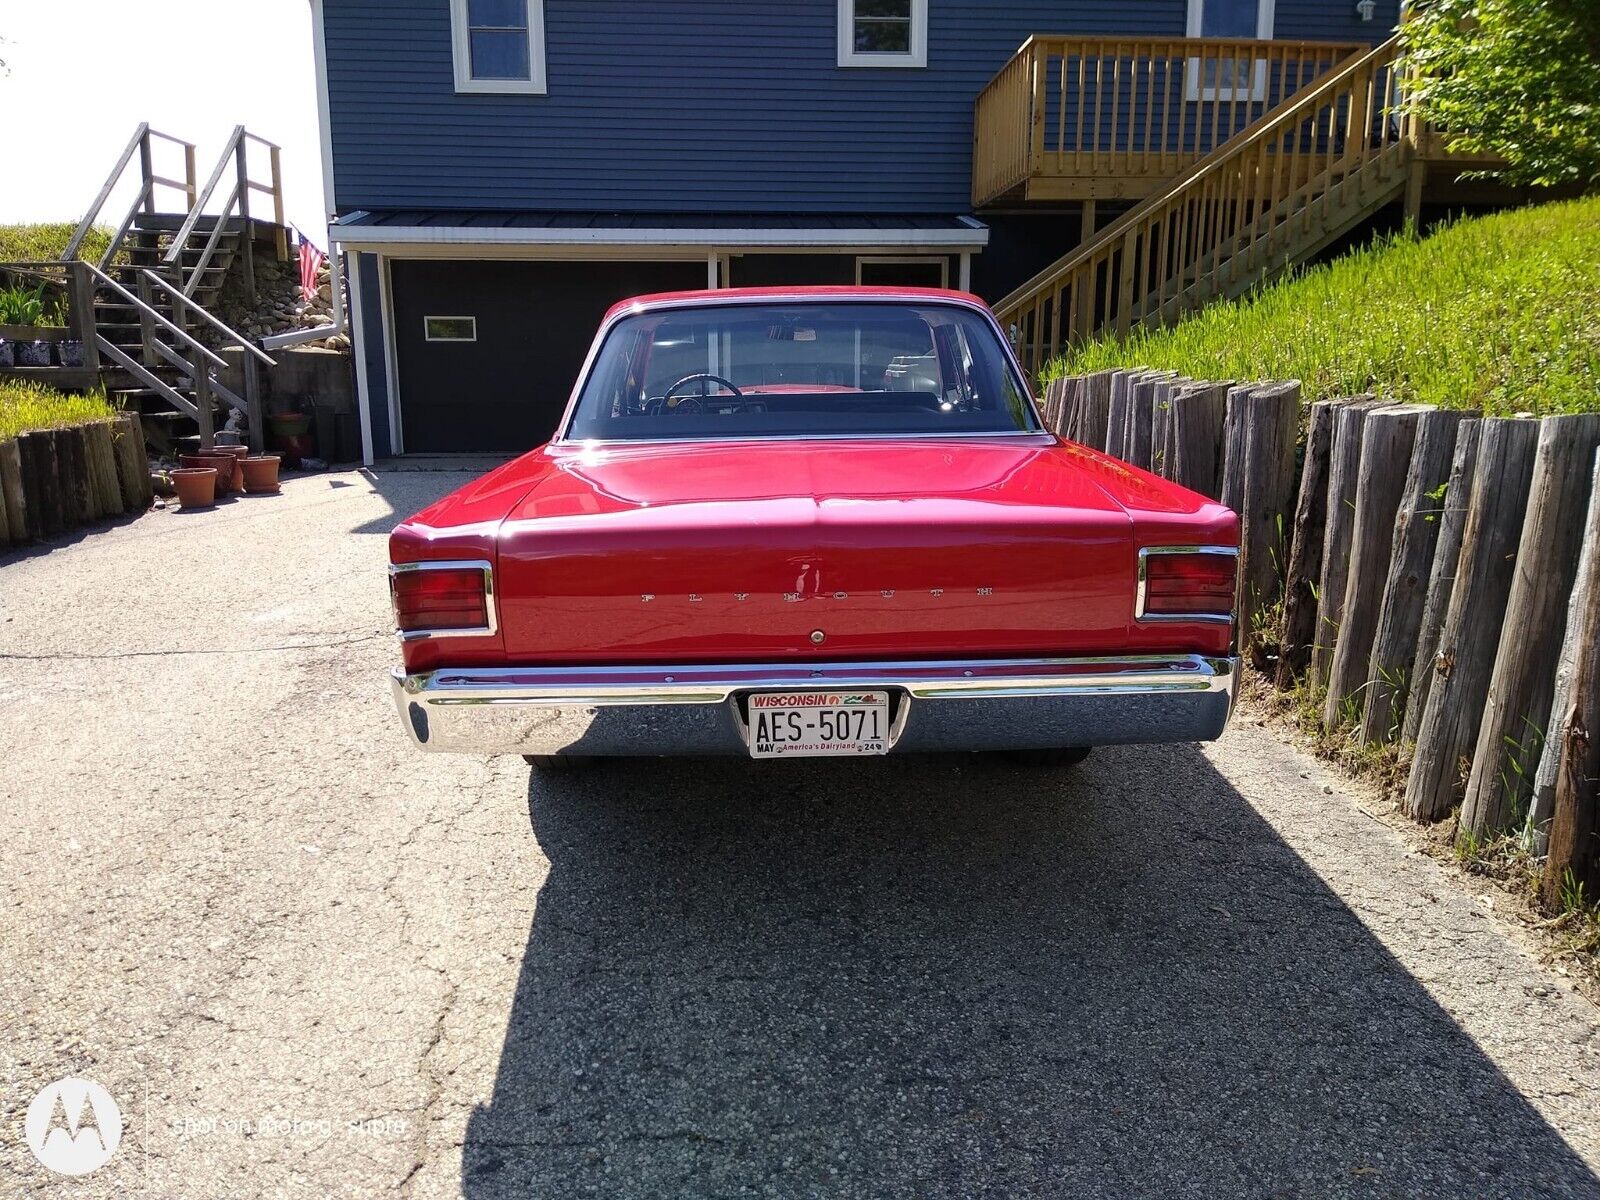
pixel 993 704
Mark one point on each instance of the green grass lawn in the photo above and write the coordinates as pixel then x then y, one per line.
pixel 26 406
pixel 44 243
pixel 1500 313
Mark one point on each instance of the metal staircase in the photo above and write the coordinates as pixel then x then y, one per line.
pixel 1308 171
pixel 152 334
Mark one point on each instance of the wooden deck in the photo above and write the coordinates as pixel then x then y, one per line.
pixel 1105 118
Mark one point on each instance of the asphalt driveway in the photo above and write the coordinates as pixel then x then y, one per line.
pixel 306 961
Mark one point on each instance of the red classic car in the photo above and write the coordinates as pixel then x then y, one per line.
pixel 815 521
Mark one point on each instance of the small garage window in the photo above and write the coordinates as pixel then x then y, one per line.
pixel 903 272
pixel 450 329
pixel 498 45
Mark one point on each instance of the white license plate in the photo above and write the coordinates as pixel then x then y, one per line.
pixel 816 724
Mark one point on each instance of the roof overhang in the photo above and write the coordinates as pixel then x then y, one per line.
pixel 393 232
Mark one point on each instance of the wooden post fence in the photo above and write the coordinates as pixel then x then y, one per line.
pixel 1259 433
pixel 1441 579
pixel 1522 681
pixel 1575 823
pixel 1344 465
pixel 1305 549
pixel 1471 631
pixel 1387 437
pixel 1416 533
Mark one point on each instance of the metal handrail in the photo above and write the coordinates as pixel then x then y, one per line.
pixel 145 310
pixel 140 144
pixel 226 331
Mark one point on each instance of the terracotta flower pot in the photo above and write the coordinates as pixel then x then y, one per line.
pixel 197 486
pixel 221 463
pixel 238 454
pixel 260 474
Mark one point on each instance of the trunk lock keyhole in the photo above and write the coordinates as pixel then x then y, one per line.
pixel 818 637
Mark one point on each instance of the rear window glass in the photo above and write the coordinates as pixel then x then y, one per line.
pixel 801 370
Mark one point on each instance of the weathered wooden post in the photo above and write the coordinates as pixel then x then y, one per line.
pixel 1387 438
pixel 35 452
pixel 15 500
pixel 1195 416
pixel 1575 820
pixel 133 467
pixel 1441 578
pixel 1344 463
pixel 1092 411
pixel 1117 411
pixel 1305 548
pixel 1260 430
pixel 73 461
pixel 1416 532
pixel 1536 836
pixel 1522 681
pixel 105 456
pixel 1471 632
pixel 1052 403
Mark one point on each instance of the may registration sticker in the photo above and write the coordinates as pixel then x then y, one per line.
pixel 816 724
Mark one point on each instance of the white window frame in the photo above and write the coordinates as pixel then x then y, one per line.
pixel 427 335
pixel 849 56
pixel 1266 15
pixel 941 262
pixel 461 49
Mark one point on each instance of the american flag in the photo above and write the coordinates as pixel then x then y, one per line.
pixel 311 260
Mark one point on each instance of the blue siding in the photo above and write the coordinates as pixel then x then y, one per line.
pixel 699 105
pixel 370 334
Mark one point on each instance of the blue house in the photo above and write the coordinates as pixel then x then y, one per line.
pixel 502 171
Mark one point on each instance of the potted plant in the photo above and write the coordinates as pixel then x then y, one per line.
pixel 196 486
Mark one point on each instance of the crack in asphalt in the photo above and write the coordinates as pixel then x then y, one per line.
pixel 114 656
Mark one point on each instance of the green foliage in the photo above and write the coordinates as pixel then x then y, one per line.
pixel 1519 79
pixel 1499 313
pixel 26 406
pixel 22 305
pixel 46 243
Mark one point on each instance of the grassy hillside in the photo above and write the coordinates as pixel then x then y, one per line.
pixel 25 406
pixel 40 243
pixel 1500 313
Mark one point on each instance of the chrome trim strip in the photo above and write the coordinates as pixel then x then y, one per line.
pixel 1145 552
pixel 962 705
pixel 459 564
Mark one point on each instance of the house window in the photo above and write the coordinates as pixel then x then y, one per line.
pixel 498 45
pixel 450 329
pixel 883 33
pixel 1229 78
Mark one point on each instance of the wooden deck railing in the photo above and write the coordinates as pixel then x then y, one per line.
pixel 1077 118
pixel 1268 196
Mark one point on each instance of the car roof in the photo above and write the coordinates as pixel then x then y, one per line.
pixel 778 294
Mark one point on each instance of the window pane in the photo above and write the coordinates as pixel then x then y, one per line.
pixel 503 14
pixel 450 329
pixel 884 8
pixel 1228 18
pixel 883 37
pixel 499 55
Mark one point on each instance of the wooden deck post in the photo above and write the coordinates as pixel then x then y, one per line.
pixel 1522 681
pixel 1387 438
pixel 1305 549
pixel 1536 837
pixel 1471 632
pixel 1416 532
pixel 1441 577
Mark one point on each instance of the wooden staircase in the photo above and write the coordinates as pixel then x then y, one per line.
pixel 151 293
pixel 1309 170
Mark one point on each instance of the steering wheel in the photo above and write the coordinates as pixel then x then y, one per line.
pixel 693 403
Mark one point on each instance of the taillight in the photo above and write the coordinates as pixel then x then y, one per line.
pixel 1187 583
pixel 438 598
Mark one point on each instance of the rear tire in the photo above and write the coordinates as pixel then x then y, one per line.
pixel 1069 756
pixel 557 762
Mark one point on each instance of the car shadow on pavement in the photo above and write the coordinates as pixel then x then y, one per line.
pixel 950 977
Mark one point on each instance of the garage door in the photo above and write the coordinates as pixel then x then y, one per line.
pixel 487 352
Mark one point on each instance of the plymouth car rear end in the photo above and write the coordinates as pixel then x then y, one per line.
pixel 811 523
